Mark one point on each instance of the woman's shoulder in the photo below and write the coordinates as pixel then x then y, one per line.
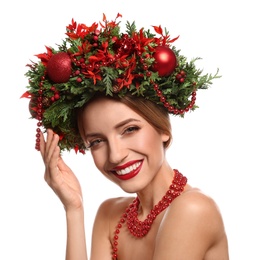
pixel 113 207
pixel 116 202
pixel 195 213
pixel 194 200
pixel 108 215
pixel 193 219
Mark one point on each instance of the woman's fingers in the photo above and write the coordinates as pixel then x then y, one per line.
pixel 46 144
pixel 47 148
pixel 57 174
pixel 51 144
pixel 50 153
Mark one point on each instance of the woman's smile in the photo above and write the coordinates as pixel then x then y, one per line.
pixel 128 170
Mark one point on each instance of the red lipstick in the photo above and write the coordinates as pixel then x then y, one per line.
pixel 129 175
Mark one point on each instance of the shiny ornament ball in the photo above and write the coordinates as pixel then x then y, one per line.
pixel 32 108
pixel 59 67
pixel 165 61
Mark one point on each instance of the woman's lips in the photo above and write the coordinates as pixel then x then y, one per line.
pixel 128 170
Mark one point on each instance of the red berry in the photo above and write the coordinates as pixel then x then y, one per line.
pixel 181 80
pixel 56 96
pixel 79 80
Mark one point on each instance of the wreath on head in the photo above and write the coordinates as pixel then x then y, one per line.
pixel 101 58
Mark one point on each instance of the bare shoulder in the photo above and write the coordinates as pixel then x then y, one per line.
pixel 109 213
pixel 193 225
pixel 114 206
pixel 107 217
pixel 194 201
pixel 195 207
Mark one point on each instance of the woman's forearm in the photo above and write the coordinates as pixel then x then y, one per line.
pixel 76 242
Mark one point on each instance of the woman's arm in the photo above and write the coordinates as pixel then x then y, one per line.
pixel 76 242
pixel 66 186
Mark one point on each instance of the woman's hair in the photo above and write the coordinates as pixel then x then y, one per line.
pixel 155 115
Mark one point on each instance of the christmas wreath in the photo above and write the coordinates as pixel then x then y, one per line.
pixel 100 58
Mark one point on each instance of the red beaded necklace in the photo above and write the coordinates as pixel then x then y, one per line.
pixel 140 228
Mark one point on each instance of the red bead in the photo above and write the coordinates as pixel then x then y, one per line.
pixel 162 99
pixel 145 67
pixel 159 93
pixel 166 104
pixel 193 98
pixel 156 87
pixel 139 228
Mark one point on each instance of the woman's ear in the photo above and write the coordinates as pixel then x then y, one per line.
pixel 165 138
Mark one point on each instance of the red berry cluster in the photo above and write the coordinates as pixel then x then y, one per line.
pixel 181 76
pixel 56 94
pixel 95 38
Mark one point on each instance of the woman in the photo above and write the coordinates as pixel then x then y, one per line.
pixel 112 95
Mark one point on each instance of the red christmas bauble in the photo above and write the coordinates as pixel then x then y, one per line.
pixel 33 108
pixel 59 67
pixel 165 61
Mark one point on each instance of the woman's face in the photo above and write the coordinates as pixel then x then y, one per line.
pixel 124 146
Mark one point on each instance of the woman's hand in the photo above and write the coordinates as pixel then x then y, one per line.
pixel 58 175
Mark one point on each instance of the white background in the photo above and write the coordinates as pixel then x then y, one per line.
pixel 212 146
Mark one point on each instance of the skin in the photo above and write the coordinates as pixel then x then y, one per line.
pixel 191 228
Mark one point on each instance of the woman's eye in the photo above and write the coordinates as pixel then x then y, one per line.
pixel 94 143
pixel 131 129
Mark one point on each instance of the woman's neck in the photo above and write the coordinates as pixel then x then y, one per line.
pixel 155 190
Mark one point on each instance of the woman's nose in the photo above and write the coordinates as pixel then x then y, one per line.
pixel 116 151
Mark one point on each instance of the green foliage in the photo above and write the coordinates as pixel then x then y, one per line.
pixel 114 63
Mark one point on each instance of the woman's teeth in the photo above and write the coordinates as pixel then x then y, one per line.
pixel 128 169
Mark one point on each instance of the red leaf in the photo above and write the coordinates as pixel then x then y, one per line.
pixel 158 30
pixel 118 15
pixel 174 39
pixel 26 95
pixel 82 151
pixel 44 57
pixel 93 59
pixel 76 148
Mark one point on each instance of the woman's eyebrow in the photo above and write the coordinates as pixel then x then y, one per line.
pixel 124 122
pixel 120 124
